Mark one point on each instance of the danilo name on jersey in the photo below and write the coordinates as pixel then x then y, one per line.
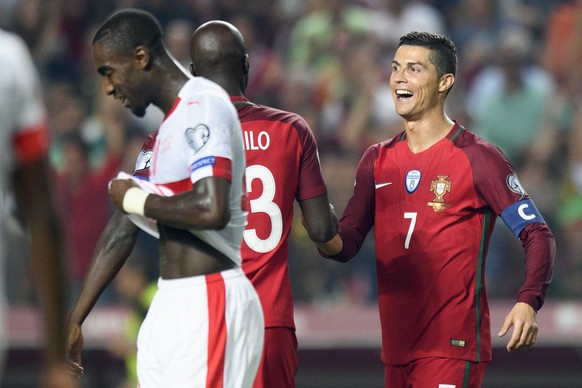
pixel 258 142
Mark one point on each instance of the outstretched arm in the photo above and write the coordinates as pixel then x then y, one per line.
pixel 113 248
pixel 319 219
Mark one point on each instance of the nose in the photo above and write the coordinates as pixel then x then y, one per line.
pixel 108 86
pixel 397 76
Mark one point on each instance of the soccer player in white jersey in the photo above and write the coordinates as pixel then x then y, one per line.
pixel 24 172
pixel 205 324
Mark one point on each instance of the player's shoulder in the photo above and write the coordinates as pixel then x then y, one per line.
pixel 275 114
pixel 471 142
pixel 206 97
pixel 14 50
pixel 10 40
pixel 281 118
pixel 202 88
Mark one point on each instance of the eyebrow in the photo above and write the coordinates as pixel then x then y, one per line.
pixel 395 62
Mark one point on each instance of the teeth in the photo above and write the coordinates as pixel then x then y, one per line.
pixel 401 92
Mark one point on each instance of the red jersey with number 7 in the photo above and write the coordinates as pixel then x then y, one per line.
pixel 433 213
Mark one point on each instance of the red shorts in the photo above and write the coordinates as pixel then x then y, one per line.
pixel 279 362
pixel 435 373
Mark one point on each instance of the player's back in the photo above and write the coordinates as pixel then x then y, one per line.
pixel 282 165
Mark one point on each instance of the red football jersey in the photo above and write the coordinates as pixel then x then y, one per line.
pixel 282 165
pixel 433 214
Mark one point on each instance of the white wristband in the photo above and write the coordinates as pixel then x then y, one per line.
pixel 134 201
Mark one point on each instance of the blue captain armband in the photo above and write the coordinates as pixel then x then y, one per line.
pixel 520 214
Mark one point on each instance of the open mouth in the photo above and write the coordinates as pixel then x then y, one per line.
pixel 403 94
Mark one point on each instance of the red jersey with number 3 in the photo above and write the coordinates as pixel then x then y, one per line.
pixel 282 165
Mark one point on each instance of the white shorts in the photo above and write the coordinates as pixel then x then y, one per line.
pixel 201 331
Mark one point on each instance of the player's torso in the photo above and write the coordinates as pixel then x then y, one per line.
pixel 426 202
pixel 430 224
pixel 273 154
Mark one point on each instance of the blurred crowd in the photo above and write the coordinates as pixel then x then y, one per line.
pixel 519 85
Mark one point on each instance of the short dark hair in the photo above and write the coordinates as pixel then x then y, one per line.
pixel 443 51
pixel 128 28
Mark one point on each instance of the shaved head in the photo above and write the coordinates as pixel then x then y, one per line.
pixel 218 53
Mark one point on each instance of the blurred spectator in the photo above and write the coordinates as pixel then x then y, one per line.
pixel 163 11
pixel 511 98
pixel 177 38
pixel 317 31
pixel 84 202
pixel 395 18
pixel 474 30
pixel 83 174
pixel 266 69
pixel 562 47
pixel 136 289
pixel 67 113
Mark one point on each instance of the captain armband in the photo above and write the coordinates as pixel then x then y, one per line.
pixel 520 214
pixel 134 201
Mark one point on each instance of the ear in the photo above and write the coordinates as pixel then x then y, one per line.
pixel 246 65
pixel 446 82
pixel 142 57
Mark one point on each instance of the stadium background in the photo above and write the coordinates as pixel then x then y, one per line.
pixel 519 85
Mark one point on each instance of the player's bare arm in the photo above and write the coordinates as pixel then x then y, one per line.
pixel 113 248
pixel 319 218
pixel 203 207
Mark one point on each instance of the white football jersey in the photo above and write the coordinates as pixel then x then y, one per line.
pixel 201 137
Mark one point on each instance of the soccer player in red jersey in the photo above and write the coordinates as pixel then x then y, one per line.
pixel 432 194
pixel 282 166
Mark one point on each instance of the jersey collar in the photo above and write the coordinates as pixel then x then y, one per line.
pixel 240 101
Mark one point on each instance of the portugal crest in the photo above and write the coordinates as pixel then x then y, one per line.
pixel 440 187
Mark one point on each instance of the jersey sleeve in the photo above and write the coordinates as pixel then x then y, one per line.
pixel 311 181
pixel 499 185
pixel 208 135
pixel 144 158
pixel 358 217
pixel 30 139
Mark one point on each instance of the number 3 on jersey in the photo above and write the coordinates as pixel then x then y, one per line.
pixel 264 204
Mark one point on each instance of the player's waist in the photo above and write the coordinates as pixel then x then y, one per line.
pixel 202 280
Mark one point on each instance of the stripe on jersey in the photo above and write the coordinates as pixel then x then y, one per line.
pixel 216 330
pixel 211 166
pixel 479 282
pixel 179 186
pixel 520 214
pixel 31 145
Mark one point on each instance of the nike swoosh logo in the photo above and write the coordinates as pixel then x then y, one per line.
pixel 380 185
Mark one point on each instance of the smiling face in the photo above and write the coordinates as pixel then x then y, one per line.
pixel 121 76
pixel 416 88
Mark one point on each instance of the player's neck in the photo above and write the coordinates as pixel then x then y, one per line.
pixel 424 133
pixel 174 80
